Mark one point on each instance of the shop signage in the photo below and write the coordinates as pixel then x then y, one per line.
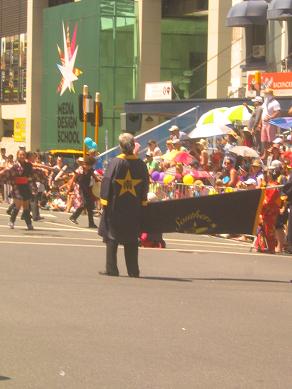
pixel 19 129
pixel 281 83
pixel 158 91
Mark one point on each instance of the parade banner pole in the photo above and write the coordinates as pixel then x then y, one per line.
pixel 97 100
pixel 85 95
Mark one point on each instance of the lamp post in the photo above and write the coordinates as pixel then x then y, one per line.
pixel 97 113
pixel 85 95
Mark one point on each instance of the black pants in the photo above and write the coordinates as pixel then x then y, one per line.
pixel 289 234
pixel 34 206
pixel 89 208
pixel 131 257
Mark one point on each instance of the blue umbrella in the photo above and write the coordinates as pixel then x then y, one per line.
pixel 284 122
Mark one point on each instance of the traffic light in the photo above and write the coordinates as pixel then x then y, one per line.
pixel 90 115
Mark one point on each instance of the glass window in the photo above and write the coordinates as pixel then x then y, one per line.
pixel 289 25
pixel 255 44
pixel 13 69
pixel 184 54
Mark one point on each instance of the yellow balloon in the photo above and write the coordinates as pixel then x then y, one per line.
pixel 229 189
pixel 212 192
pixel 188 179
pixel 167 179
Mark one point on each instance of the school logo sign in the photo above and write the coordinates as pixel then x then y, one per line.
pixel 67 68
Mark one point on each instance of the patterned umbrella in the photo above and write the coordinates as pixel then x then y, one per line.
pixel 244 151
pixel 215 115
pixel 237 113
pixel 285 122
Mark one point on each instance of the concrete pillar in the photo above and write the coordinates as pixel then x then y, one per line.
pixel 34 71
pixel 219 49
pixel 150 43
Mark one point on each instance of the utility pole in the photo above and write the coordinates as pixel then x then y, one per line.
pixel 85 95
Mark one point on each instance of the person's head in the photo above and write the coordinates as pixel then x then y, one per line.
pixel 256 165
pixel 174 131
pixel 149 157
pixel 232 137
pixel 10 158
pixel 80 161
pixel 127 143
pixel 258 100
pixel 31 156
pixel 3 151
pixel 176 144
pixel 59 161
pixel 88 163
pixel 21 156
pixel 169 145
pixel 51 160
pixel 228 163
pixel 152 144
pixel 92 153
pixel 202 144
pixel 275 150
pixel 269 94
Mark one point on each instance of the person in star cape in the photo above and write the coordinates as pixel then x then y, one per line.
pixel 124 191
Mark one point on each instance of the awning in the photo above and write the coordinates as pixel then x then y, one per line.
pixel 247 13
pixel 280 10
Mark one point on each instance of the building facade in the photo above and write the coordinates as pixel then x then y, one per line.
pixel 207 49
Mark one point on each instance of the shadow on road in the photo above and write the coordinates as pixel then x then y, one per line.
pixel 241 280
pixel 2 378
pixel 153 278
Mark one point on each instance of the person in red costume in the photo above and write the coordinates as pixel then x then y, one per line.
pixel 266 239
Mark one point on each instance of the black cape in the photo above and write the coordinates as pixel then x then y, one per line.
pixel 124 191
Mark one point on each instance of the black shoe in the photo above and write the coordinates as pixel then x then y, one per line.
pixel 72 220
pixel 134 275
pixel 30 227
pixel 92 226
pixel 104 273
pixel 37 219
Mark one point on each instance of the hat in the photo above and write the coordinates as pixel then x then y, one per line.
pixel 257 99
pixel 151 196
pixel 148 154
pixel 233 133
pixel 269 91
pixel 203 143
pixel 278 140
pixel 250 181
pixel 175 141
pixel 173 128
pixel 289 137
pixel 256 163
pixel 80 159
pixel 245 129
pixel 276 164
pixel 198 183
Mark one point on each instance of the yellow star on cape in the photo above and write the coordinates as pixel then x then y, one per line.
pixel 128 184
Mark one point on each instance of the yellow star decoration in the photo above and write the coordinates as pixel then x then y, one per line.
pixel 128 184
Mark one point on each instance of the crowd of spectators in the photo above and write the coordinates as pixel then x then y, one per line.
pixel 184 167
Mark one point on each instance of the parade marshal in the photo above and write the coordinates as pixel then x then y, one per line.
pixel 123 194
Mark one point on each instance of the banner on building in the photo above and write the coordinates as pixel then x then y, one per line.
pixel 281 83
pixel 158 91
pixel 19 129
pixel 229 213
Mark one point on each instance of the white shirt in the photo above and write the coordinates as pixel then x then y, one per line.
pixel 270 107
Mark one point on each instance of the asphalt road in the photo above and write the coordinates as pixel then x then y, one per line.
pixel 206 313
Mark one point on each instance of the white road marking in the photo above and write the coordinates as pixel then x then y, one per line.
pixel 54 244
pixel 40 228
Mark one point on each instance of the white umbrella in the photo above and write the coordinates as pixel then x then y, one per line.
pixel 215 115
pixel 209 130
pixel 237 113
pixel 244 151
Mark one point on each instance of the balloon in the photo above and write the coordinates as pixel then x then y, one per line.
pixel 88 141
pixel 212 191
pixel 155 176
pixel 161 177
pixel 93 146
pixel 188 179
pixel 167 179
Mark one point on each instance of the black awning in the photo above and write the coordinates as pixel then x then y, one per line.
pixel 280 10
pixel 247 13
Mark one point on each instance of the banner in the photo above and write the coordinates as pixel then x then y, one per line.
pixel 19 130
pixel 229 213
pixel 281 83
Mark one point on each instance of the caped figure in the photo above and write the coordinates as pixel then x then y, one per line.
pixel 123 194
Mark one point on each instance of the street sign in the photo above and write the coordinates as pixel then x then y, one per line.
pixel 158 91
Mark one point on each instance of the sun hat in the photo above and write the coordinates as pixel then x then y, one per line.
pixel 276 164
pixel 250 181
pixel 257 99
pixel 278 140
pixel 173 128
pixel 203 143
pixel 256 163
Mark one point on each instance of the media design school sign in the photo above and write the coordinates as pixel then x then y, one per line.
pixel 281 83
pixel 71 58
